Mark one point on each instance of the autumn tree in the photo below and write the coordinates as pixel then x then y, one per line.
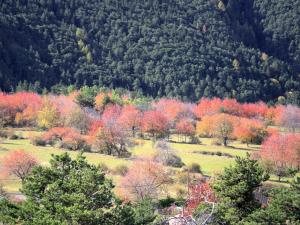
pixel 219 126
pixel 48 116
pixel 208 107
pixel 78 119
pixel 19 108
pixel 199 193
pixel 282 151
pixel 290 118
pixel 170 108
pixel 185 127
pixel 101 100
pixel 130 118
pixel 250 131
pixel 112 137
pixel 18 163
pixel 65 137
pixel 155 123
pixel 145 179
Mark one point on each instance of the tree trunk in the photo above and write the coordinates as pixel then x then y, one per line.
pixel 225 141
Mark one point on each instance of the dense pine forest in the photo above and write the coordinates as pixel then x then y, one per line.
pixel 243 49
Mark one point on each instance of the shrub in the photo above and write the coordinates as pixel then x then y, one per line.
pixel 13 137
pixel 169 159
pixel 65 137
pixel 219 153
pixel 73 143
pixel 195 140
pixel 166 202
pixel 121 170
pixel 38 141
pixel 194 168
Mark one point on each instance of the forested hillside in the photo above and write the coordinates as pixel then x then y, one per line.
pixel 244 49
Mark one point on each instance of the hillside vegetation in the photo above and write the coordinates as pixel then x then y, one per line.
pixel 246 49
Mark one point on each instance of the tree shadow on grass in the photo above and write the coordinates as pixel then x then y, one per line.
pixel 239 148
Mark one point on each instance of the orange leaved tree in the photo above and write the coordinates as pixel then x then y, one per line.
pixel 18 163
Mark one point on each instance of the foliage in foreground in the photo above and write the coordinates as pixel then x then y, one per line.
pixel 236 188
pixel 68 192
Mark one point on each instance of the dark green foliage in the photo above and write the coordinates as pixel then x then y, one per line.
pixel 8 212
pixel 283 208
pixel 166 202
pixel 71 192
pixel 235 190
pixel 38 141
pixel 177 48
pixel 144 212
pixel 86 96
pixel 194 168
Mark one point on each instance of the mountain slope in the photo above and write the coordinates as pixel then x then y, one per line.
pixel 247 49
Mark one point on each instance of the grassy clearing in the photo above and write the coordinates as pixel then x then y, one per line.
pixel 190 153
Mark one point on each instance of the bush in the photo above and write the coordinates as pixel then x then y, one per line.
pixel 38 141
pixel 13 137
pixel 121 170
pixel 219 153
pixel 169 159
pixel 194 168
pixel 195 140
pixel 166 202
pixel 65 137
pixel 74 143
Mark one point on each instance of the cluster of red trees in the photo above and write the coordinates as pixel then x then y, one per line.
pixel 281 153
pixel 113 120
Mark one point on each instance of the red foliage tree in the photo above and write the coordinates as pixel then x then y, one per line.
pixel 290 118
pixel 18 163
pixel 198 194
pixel 171 108
pixel 282 151
pixel 20 108
pixel 155 123
pixel 250 131
pixel 218 125
pixel 144 179
pixel 130 118
pixel 112 135
pixel 207 107
pixel 185 127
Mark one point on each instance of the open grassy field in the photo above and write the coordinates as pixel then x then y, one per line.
pixel 189 153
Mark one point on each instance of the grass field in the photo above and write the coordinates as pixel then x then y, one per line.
pixel 189 153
